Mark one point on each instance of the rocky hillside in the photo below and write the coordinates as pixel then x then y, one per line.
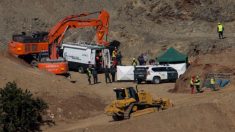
pixel 145 24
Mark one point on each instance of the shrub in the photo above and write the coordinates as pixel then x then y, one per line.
pixel 19 111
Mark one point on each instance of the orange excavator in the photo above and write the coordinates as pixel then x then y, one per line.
pixel 41 49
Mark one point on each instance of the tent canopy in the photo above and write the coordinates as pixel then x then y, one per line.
pixel 172 56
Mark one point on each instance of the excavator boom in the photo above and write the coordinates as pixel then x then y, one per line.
pixel 54 38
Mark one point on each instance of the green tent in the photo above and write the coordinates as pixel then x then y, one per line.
pixel 172 56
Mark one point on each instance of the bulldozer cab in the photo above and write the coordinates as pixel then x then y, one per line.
pixel 120 94
pixel 126 93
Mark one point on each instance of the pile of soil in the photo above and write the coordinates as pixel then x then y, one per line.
pixel 204 65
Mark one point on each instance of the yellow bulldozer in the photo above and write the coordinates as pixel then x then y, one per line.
pixel 130 102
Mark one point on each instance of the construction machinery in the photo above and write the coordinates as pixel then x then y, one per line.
pixel 130 102
pixel 41 49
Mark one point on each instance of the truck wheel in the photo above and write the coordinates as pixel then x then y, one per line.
pixel 81 70
pixel 156 80
pixel 139 81
pixel 117 118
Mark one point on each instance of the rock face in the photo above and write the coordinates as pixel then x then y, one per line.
pixel 143 24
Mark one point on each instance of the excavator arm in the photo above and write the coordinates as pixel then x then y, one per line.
pixel 57 33
pixel 55 36
pixel 78 21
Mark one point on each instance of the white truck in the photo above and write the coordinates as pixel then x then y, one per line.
pixel 80 55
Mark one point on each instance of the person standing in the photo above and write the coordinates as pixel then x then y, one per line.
pixel 106 73
pixel 192 84
pixel 212 83
pixel 134 62
pixel 197 84
pixel 220 30
pixel 152 62
pixel 114 54
pixel 97 61
pixel 89 75
pixel 145 58
pixel 141 59
pixel 119 58
pixel 95 75
pixel 113 72
pixel 100 59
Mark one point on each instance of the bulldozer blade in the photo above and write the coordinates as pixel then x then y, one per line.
pixel 143 112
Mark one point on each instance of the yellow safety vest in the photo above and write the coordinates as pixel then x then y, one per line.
pixel 191 81
pixel 114 54
pixel 88 72
pixel 212 81
pixel 197 82
pixel 220 28
pixel 134 63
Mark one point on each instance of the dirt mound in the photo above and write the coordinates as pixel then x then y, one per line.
pixel 206 64
pixel 64 98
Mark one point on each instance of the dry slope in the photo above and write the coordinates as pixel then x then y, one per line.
pixel 65 99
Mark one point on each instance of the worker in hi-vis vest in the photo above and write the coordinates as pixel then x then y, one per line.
pixel 192 80
pixel 212 84
pixel 197 84
pixel 220 30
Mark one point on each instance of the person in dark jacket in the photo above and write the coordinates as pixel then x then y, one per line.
pixel 141 59
pixel 113 72
pixel 119 58
pixel 106 73
pixel 95 75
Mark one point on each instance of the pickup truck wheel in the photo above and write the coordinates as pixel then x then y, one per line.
pixel 81 70
pixel 156 80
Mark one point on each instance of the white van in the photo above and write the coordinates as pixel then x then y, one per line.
pixel 80 55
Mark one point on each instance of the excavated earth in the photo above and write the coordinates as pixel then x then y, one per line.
pixel 140 26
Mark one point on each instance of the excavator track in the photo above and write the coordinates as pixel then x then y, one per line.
pixel 128 111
